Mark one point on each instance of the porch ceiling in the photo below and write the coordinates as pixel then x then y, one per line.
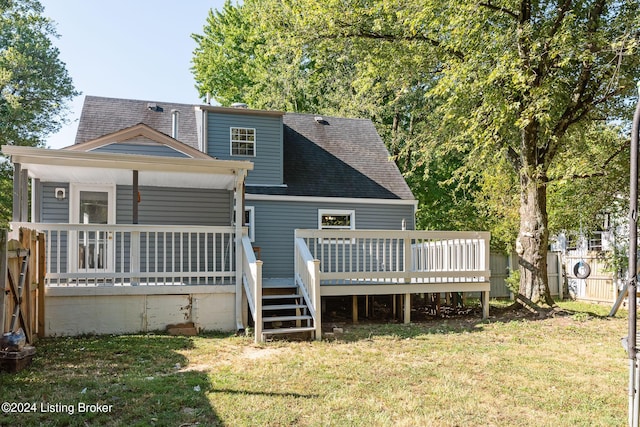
pixel 111 168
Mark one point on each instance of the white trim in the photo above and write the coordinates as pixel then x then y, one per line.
pixel 74 208
pixel 346 200
pixel 251 226
pixel 267 185
pixel 255 141
pixel 74 200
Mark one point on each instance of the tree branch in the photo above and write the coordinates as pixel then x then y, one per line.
pixel 603 166
pixel 373 35
pixel 500 9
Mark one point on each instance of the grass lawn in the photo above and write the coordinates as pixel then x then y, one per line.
pixel 569 370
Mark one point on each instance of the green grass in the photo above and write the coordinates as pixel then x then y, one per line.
pixel 565 371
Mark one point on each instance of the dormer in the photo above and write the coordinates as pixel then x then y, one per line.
pixel 240 133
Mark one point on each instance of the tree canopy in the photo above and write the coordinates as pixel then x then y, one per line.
pixel 34 83
pixel 495 110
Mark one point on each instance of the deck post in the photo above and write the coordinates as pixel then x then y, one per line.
pixel 485 305
pixel 407 308
pixel 257 295
pixel 317 299
pixel 354 308
pixel 135 258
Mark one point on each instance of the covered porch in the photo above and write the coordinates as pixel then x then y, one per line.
pixel 115 235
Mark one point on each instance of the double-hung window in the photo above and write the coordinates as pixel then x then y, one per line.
pixel 243 142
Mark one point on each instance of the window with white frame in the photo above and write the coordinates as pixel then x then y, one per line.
pixel 249 221
pixel 243 142
pixel 336 219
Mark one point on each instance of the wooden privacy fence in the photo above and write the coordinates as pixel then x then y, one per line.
pixel 22 283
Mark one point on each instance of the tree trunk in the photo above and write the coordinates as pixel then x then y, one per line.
pixel 533 238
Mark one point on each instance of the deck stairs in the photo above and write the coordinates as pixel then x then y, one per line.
pixel 285 311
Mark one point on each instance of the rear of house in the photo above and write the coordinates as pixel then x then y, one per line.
pixel 141 215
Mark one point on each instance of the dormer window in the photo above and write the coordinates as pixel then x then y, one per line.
pixel 243 142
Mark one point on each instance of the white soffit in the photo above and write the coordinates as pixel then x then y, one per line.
pixel 107 168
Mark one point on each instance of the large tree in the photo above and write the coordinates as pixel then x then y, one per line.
pixel 525 86
pixel 34 83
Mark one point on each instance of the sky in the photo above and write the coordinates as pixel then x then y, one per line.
pixel 134 49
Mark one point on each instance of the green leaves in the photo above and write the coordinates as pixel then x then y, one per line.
pixel 34 84
pixel 468 95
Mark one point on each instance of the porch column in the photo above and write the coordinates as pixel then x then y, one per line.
pixel 238 199
pixel 24 195
pixel 135 198
pixel 17 203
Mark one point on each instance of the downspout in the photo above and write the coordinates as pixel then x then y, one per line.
pixel 633 251
pixel 239 215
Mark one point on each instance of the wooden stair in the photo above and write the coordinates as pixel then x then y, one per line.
pixel 285 312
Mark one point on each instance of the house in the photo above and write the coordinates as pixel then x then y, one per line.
pixel 140 220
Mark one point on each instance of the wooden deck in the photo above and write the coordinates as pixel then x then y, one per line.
pixel 379 262
pixel 110 262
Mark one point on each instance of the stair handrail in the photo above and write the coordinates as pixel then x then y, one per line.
pixel 307 277
pixel 252 281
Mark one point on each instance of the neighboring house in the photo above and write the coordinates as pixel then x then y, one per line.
pixel 149 194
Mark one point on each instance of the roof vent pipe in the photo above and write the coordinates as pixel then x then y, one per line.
pixel 175 114
pixel 241 105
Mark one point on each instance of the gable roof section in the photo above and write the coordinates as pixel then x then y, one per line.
pixel 335 157
pixel 338 157
pixel 139 130
pixel 103 116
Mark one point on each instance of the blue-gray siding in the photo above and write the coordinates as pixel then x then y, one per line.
pixel 175 206
pixel 158 205
pixel 275 222
pixel 144 149
pixel 269 152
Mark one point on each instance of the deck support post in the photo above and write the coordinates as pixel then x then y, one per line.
pixel 366 306
pixel 485 305
pixel 394 309
pixel 354 308
pixel 407 308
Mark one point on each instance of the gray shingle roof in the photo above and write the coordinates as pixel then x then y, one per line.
pixel 337 157
pixel 102 116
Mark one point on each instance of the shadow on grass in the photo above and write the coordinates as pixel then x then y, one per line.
pixel 129 380
pixel 263 393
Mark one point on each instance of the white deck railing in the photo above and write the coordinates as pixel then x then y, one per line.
pixel 307 277
pixel 384 257
pixel 369 262
pixel 252 282
pixel 128 254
